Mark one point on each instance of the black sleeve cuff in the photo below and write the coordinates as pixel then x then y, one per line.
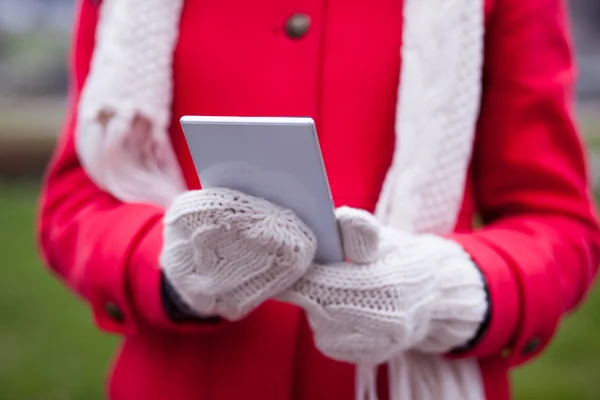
pixel 176 309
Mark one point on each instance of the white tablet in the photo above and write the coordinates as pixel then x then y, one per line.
pixel 277 159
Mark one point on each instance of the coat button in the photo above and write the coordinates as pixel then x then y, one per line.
pixel 297 26
pixel 114 312
pixel 531 346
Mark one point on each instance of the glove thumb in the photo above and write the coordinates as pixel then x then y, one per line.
pixel 360 234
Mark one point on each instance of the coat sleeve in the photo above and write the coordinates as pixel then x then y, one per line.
pixel 105 250
pixel 539 247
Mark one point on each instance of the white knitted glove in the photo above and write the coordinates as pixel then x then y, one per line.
pixel 226 252
pixel 400 291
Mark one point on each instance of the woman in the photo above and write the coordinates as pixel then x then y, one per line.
pixel 479 95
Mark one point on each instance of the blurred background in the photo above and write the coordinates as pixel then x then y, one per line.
pixel 49 349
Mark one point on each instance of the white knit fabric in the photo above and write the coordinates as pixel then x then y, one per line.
pixel 439 96
pixel 403 291
pixel 226 252
pixel 399 292
pixel 123 144
pixel 125 106
pixel 438 105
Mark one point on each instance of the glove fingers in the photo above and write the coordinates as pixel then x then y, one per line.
pixel 228 258
pixel 212 215
pixel 232 251
pixel 195 207
pixel 360 234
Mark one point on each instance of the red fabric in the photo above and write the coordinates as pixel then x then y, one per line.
pixel 538 250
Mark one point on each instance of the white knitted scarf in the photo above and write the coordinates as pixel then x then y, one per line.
pixel 439 95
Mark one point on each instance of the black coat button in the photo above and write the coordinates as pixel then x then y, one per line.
pixel 531 346
pixel 114 312
pixel 297 26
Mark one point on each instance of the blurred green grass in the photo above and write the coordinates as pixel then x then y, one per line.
pixel 49 349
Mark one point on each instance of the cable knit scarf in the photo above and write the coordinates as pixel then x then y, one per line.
pixel 132 157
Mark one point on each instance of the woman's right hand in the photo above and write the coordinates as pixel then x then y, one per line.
pixel 226 252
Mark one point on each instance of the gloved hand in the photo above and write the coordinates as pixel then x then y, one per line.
pixel 226 252
pixel 399 291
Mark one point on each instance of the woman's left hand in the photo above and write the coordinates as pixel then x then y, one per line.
pixel 399 291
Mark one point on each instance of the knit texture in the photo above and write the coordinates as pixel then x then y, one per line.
pixel 407 292
pixel 124 110
pixel 438 105
pixel 123 144
pixel 226 252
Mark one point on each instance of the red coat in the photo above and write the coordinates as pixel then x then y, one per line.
pixel 539 250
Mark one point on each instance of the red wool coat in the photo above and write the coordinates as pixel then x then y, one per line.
pixel 538 251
